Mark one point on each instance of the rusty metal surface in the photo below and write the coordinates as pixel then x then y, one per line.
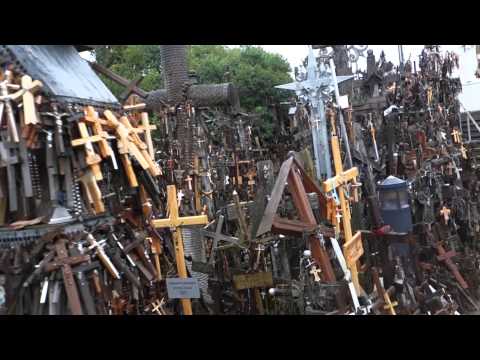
pixel 63 72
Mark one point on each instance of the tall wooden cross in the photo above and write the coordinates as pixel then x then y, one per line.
pixel 29 88
pixel 92 159
pixel 65 262
pixel 175 222
pixel 353 244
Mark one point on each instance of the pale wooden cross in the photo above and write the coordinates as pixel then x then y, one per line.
pixel 156 248
pixel 456 136
pixel 138 149
pixel 92 159
pixel 92 191
pixel 147 128
pixel 463 150
pixel 91 117
pixel 29 88
pixel 157 306
pixel 315 272
pixel 337 183
pixel 189 181
pixel 446 214
pixel 174 223
pixel 122 144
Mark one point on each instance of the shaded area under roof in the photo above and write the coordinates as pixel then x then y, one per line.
pixel 64 74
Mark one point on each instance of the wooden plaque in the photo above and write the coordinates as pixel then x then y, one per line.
pixel 256 280
pixel 353 250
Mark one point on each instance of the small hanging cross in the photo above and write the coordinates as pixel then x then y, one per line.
pixel 315 271
pixel 189 181
pixel 446 214
pixel 456 136
pixel 464 151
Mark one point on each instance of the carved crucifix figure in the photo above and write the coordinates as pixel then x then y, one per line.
pixel 175 222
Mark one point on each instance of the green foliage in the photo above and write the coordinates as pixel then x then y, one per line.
pixel 253 70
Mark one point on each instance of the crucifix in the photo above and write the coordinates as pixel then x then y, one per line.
pixel 339 182
pixel 175 223
pixel 317 80
pixel 65 262
pixel 105 260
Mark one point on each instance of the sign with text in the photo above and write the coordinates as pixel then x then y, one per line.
pixel 179 288
pixel 353 250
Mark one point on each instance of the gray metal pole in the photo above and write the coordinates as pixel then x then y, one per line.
pixel 342 122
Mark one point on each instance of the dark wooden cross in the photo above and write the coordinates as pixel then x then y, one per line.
pixel 217 236
pixel 65 262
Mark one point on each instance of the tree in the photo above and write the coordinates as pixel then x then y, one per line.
pixel 253 70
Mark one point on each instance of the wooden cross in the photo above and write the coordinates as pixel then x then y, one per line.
pixel 446 257
pixel 92 191
pixel 138 149
pixel 446 214
pixel 456 136
pixel 218 236
pixel 315 271
pixel 389 306
pixel 65 262
pixel 175 222
pixel 147 128
pixel 91 158
pixel 122 145
pixel 189 181
pixel 102 256
pixel 156 251
pixel 92 118
pixel 463 150
pixel 130 88
pixel 157 306
pixel 29 88
pixel 338 183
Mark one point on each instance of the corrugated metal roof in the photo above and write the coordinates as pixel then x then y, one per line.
pixel 63 72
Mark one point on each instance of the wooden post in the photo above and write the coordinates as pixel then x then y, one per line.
pixel 338 182
pixel 174 222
